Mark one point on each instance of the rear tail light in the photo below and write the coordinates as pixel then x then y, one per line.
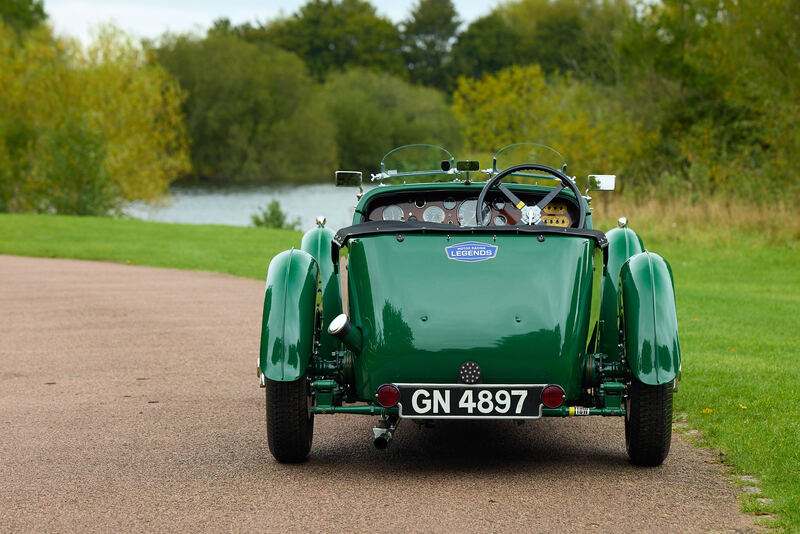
pixel 388 395
pixel 553 396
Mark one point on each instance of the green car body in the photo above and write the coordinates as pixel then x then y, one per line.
pixel 592 313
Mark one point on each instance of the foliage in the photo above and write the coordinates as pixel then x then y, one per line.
pixel 250 110
pixel 594 131
pixel 83 129
pixel 22 15
pixel 374 113
pixel 719 79
pixel 568 35
pixel 332 35
pixel 273 217
pixel 428 34
pixel 487 45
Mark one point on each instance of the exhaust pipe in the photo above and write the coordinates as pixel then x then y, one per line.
pixel 384 433
pixel 350 335
pixel 382 437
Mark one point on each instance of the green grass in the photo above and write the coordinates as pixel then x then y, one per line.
pixel 225 249
pixel 738 296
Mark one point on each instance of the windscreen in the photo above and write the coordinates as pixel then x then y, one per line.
pixel 519 153
pixel 421 163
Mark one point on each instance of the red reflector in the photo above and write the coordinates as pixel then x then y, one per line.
pixel 553 396
pixel 387 395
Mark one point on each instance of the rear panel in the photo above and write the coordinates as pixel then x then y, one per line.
pixel 522 313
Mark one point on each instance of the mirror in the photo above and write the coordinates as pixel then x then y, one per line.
pixel 468 166
pixel 348 178
pixel 602 182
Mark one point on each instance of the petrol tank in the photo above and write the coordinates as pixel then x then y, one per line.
pixel 518 305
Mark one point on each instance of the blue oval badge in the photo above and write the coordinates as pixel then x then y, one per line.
pixel 471 251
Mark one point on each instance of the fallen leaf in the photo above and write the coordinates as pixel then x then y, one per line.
pixel 706 410
pixel 742 406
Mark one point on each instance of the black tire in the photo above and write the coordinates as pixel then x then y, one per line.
pixel 290 423
pixel 648 423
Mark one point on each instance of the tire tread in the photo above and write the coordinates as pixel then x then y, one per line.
pixel 289 428
pixel 648 426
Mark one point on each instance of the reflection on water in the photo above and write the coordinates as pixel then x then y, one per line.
pixel 198 205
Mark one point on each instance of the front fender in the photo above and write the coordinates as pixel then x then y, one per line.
pixel 317 242
pixel 290 303
pixel 622 244
pixel 649 319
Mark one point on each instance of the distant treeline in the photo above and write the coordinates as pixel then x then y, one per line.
pixel 681 97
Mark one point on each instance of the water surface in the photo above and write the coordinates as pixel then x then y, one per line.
pixel 235 206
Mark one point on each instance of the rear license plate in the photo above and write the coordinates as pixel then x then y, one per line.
pixel 473 401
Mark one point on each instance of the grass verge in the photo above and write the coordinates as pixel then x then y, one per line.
pixel 738 292
pixel 225 249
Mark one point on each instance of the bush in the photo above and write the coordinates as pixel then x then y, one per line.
pixel 273 217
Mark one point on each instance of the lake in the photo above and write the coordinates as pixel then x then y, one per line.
pixel 234 206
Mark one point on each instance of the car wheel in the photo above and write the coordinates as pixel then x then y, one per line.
pixel 290 422
pixel 648 423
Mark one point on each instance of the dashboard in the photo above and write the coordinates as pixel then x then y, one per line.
pixel 448 207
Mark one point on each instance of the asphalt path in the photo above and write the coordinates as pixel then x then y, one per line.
pixel 129 402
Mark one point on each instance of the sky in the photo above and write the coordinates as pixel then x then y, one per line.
pixel 151 18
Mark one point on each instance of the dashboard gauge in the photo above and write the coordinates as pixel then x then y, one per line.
pixel 392 213
pixel 499 204
pixel 449 203
pixel 420 203
pixel 433 214
pixel 466 213
pixel 500 220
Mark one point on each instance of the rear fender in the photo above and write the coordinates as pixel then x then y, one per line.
pixel 649 319
pixel 288 326
pixel 317 242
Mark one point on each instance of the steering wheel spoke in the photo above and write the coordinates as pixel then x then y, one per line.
pixel 549 197
pixel 511 196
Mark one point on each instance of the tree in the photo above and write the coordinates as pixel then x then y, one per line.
pixel 583 122
pixel 250 110
pixel 82 130
pixel 486 46
pixel 428 35
pixel 569 35
pixel 375 112
pixel 22 14
pixel 332 35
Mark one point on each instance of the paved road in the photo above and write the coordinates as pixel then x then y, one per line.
pixel 128 401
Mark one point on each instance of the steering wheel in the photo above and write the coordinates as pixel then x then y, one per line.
pixel 532 213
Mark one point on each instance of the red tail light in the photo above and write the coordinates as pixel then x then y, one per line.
pixel 553 396
pixel 387 395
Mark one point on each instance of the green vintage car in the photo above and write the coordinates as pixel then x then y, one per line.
pixel 461 293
